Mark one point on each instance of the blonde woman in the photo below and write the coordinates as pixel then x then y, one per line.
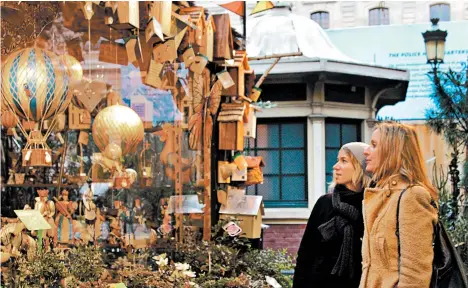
pixel 395 161
pixel 329 252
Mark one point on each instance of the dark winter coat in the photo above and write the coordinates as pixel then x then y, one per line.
pixel 316 258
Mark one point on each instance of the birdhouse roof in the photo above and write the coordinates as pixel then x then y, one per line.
pixel 210 20
pixel 231 112
pixel 240 56
pixel 196 14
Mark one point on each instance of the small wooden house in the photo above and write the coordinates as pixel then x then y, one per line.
pixel 231 127
pixel 162 13
pixel 248 210
pixel 197 16
pixel 250 125
pixel 127 16
pixel 223 39
pixel 237 72
pixel 208 45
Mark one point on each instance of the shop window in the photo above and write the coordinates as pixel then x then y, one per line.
pixel 283 145
pixel 337 133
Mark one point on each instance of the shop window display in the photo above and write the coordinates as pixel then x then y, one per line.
pixel 109 140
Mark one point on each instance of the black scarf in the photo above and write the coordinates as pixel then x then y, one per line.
pixel 346 214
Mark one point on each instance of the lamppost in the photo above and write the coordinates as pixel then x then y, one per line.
pixel 435 45
pixel 434 40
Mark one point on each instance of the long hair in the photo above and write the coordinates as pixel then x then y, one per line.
pixel 359 179
pixel 400 156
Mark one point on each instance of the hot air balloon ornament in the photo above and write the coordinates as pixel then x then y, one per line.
pixel 35 86
pixel 117 130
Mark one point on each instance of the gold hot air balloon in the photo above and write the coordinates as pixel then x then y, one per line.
pixel 35 84
pixel 118 124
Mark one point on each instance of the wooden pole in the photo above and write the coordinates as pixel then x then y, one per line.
pixel 295 54
pixel 265 74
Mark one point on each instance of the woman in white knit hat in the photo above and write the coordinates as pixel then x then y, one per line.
pixel 329 254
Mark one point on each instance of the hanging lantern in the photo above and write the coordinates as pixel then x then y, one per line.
pixel 121 123
pixel 9 121
pixel 35 84
pixel 73 67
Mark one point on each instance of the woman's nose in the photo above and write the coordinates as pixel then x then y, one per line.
pixel 367 151
pixel 336 166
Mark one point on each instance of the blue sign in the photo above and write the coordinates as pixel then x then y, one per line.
pixel 402 47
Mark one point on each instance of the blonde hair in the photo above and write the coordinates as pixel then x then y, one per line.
pixel 359 179
pixel 400 155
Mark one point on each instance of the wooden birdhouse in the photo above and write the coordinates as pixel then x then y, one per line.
pixel 248 210
pixel 127 16
pixel 162 13
pixel 79 119
pixel 197 16
pixel 223 39
pixel 208 45
pixel 250 126
pixel 153 31
pixel 231 127
pixel 237 70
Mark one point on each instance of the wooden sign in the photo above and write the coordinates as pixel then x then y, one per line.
pixel 153 76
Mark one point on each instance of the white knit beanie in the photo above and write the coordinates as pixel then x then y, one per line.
pixel 357 148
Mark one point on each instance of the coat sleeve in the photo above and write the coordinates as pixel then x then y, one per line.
pixel 417 218
pixel 310 243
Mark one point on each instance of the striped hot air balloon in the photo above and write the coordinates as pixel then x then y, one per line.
pixel 35 83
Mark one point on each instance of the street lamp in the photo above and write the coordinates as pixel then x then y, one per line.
pixel 435 44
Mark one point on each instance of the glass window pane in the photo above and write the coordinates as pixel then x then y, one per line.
pixel 250 190
pixel 441 11
pixel 271 159
pixel 328 180
pixel 349 132
pixel 292 161
pixel 332 135
pixel 322 18
pixel 292 135
pixel 330 159
pixel 293 188
pixel 270 188
pixel 268 136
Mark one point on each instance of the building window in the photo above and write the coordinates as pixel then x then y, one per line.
pixel 284 92
pixel 337 133
pixel 441 11
pixel 322 18
pixel 283 145
pixel 345 93
pixel 379 16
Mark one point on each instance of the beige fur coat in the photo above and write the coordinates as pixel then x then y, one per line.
pixel 380 243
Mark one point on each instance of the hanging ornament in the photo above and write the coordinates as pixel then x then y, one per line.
pixel 35 84
pixel 118 122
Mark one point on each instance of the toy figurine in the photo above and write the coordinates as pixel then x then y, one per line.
pixel 64 221
pixel 47 208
